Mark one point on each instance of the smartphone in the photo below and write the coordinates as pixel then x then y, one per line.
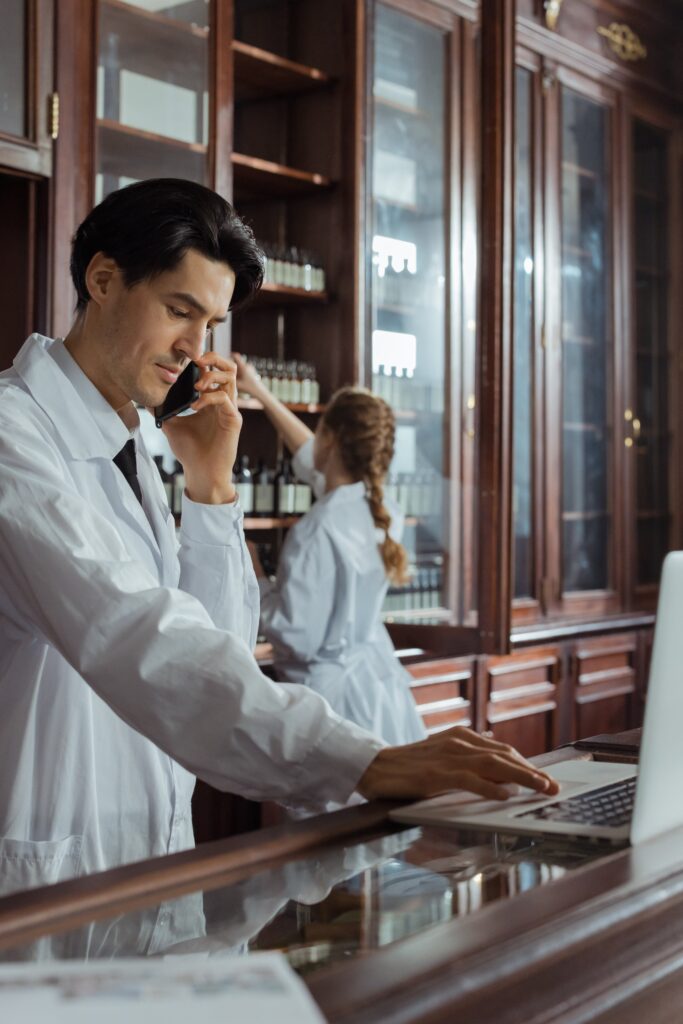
pixel 180 396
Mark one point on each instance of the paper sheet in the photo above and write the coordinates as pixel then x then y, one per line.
pixel 260 987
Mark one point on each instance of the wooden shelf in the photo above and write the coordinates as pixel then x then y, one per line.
pixel 585 427
pixel 256 406
pixel 576 250
pixel 579 517
pixel 583 172
pixel 399 108
pixel 262 179
pixel 123 150
pixel 260 74
pixel 578 339
pixel 283 295
pixel 646 271
pixel 645 514
pixel 271 523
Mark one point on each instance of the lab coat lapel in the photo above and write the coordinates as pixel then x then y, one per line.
pixel 80 433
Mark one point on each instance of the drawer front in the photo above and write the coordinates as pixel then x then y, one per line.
pixel 604 685
pixel 521 694
pixel 443 692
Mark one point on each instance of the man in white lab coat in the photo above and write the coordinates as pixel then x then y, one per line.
pixel 126 664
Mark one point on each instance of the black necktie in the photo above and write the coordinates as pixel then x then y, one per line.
pixel 127 463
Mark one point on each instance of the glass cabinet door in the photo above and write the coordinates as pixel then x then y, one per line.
pixel 407 285
pixel 152 92
pixel 586 334
pixel 13 69
pixel 647 425
pixel 523 375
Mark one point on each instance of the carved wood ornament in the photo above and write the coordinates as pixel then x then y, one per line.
pixel 624 42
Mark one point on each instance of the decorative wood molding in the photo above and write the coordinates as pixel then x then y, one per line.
pixel 552 12
pixel 623 41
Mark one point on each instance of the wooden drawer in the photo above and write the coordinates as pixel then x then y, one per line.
pixel 443 692
pixel 604 684
pixel 521 698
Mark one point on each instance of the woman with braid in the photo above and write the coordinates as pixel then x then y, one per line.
pixel 323 612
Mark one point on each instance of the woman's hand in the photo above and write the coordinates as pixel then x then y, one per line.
pixel 455 759
pixel 248 379
pixel 206 443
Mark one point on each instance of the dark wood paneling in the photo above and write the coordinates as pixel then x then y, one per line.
pixel 604 673
pixel 521 692
pixel 495 321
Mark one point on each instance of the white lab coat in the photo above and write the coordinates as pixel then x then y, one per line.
pixel 323 614
pixel 116 686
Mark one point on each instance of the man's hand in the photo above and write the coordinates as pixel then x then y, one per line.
pixel 455 759
pixel 206 443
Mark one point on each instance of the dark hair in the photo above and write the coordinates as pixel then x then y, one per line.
pixel 147 228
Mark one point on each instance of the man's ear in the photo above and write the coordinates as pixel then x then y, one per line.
pixel 98 277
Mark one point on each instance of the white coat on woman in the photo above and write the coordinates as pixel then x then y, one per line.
pixel 323 614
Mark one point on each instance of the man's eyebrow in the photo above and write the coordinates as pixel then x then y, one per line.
pixel 196 304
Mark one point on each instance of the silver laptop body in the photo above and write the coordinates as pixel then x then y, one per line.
pixel 658 805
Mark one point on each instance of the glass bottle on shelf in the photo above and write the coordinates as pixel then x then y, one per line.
pixel 244 485
pixel 264 492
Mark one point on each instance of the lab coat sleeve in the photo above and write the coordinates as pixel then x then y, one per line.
pixel 304 469
pixel 152 653
pixel 215 566
pixel 297 608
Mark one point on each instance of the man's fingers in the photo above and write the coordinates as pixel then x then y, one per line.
pixel 212 359
pixel 498 768
pixel 471 782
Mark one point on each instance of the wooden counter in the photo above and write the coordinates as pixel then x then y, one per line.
pixel 603 942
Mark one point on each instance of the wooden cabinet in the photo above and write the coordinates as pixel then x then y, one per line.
pixel 596 445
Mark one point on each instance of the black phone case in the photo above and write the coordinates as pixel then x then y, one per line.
pixel 181 395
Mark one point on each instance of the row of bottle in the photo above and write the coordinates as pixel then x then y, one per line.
pixel 416 494
pixel 423 590
pixel 404 391
pixel 295 268
pixel 288 380
pixel 403 290
pixel 266 493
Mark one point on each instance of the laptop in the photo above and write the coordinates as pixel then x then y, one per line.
pixel 600 800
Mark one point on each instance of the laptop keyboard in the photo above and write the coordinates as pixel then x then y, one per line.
pixel 610 805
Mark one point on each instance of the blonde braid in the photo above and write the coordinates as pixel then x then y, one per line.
pixel 364 429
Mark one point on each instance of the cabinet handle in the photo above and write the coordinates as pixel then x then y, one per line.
pixel 471 406
pixel 53 115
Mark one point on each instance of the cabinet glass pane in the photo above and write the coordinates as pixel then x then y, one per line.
pixel 650 426
pixel 586 345
pixel 13 68
pixel 152 92
pixel 522 484
pixel 407 284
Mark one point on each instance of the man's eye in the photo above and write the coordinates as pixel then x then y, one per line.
pixel 180 313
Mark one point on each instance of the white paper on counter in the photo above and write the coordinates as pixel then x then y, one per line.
pixel 259 987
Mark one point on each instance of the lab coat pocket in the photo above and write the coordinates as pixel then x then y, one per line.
pixel 25 864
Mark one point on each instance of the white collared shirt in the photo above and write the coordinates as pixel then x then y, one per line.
pixel 125 659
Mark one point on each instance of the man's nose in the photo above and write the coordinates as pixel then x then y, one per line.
pixel 193 341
